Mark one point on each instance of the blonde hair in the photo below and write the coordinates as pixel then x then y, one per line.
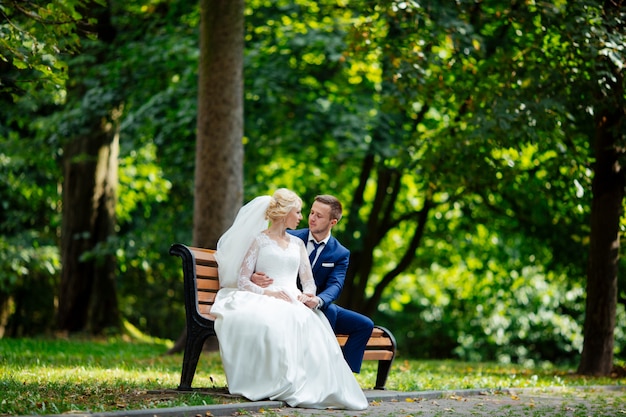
pixel 282 202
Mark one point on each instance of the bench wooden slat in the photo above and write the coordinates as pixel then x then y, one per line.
pixel 379 342
pixel 201 286
pixel 374 341
pixel 207 285
pixel 205 311
pixel 206 297
pixel 203 255
pixel 378 332
pixel 208 272
pixel 378 355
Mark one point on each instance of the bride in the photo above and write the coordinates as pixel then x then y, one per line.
pixel 272 345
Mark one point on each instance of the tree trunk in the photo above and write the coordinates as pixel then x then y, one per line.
pixel 88 298
pixel 219 146
pixel 219 142
pixel 88 295
pixel 606 211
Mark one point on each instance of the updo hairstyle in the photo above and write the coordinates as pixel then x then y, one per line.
pixel 282 202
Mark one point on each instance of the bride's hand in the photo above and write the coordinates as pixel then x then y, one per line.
pixel 305 298
pixel 281 295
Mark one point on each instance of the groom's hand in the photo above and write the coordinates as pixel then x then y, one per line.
pixel 312 302
pixel 262 280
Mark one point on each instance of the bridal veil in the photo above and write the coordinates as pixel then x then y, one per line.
pixel 234 243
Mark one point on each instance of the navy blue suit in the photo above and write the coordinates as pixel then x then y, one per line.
pixel 329 273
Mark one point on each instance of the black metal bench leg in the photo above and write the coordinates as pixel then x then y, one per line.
pixel 193 349
pixel 381 375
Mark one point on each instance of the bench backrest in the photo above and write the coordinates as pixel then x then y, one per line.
pixel 201 279
pixel 207 280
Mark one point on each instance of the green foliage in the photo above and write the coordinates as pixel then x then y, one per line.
pixel 480 116
pixel 29 225
pixel 299 113
pixel 487 315
pixel 28 280
pixel 152 72
pixel 36 38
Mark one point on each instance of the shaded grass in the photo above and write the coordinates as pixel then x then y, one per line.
pixel 53 376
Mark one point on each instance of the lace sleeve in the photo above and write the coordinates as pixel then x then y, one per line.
pixel 305 272
pixel 247 269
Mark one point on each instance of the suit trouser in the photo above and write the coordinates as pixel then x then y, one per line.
pixel 358 328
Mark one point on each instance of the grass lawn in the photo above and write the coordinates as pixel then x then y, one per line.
pixel 53 376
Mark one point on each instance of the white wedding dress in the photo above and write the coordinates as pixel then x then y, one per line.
pixel 274 349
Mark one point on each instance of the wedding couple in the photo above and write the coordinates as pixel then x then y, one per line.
pixel 277 341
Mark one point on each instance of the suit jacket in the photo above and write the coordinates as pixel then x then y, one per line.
pixel 330 268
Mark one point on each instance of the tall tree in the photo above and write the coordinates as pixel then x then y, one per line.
pixel 219 143
pixel 218 190
pixel 607 207
pixel 88 297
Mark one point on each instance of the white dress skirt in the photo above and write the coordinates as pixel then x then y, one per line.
pixel 279 350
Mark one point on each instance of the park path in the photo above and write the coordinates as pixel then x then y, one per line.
pixel 597 401
pixel 579 402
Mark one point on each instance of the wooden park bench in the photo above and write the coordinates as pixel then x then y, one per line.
pixel 201 283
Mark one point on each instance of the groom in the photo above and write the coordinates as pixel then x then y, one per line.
pixel 329 261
